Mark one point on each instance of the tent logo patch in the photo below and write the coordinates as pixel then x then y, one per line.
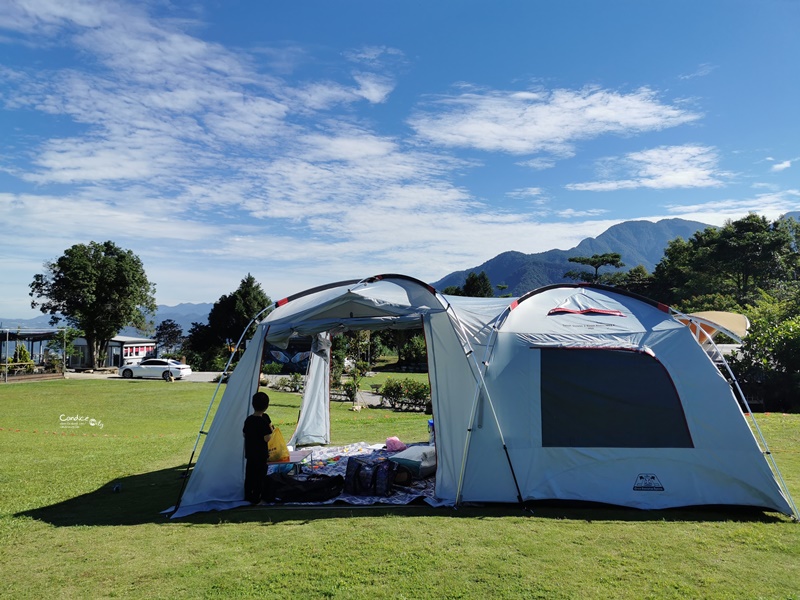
pixel 647 482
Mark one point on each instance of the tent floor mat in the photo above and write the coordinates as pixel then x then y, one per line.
pixel 332 460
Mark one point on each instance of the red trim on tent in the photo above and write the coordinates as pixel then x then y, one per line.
pixel 587 311
pixel 596 286
pixel 282 302
pixel 513 305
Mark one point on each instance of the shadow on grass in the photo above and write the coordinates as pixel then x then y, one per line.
pixel 272 515
pixel 141 498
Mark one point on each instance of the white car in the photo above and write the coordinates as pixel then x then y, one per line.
pixel 156 367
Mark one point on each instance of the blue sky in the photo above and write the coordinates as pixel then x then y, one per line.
pixel 306 142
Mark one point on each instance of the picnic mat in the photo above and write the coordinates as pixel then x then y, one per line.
pixel 327 460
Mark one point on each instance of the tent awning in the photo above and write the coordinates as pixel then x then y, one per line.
pixel 712 322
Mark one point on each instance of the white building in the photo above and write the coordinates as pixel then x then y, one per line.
pixel 120 350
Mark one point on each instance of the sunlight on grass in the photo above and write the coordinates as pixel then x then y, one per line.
pixel 63 529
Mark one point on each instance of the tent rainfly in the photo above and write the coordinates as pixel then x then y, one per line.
pixel 571 392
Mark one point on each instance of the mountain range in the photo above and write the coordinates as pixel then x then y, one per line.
pixel 638 242
pixel 183 314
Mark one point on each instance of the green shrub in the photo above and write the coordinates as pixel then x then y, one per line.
pixel 21 354
pixel 392 389
pixel 350 389
pixel 769 356
pixel 273 368
pixel 416 391
pixel 55 364
pixel 296 382
pixel 414 351
pixel 361 367
pixel 293 383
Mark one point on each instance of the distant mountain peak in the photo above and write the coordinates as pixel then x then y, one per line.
pixel 638 242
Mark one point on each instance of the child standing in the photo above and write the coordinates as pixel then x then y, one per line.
pixel 256 431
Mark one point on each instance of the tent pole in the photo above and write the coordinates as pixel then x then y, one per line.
pixel 481 384
pixel 473 412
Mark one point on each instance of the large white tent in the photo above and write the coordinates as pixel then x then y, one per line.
pixel 571 392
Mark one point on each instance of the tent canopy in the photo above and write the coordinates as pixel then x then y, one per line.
pixel 385 302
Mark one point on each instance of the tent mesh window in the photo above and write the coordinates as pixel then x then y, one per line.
pixel 609 399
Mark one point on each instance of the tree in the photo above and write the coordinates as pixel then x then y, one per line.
pixel 391 340
pixel 168 334
pixel 63 346
pixel 207 345
pixel 502 287
pixel 673 273
pixel 21 354
pixel 596 261
pixel 751 266
pixel 770 353
pixel 414 351
pixel 475 286
pixel 636 280
pixel 98 288
pixel 231 314
pixel 739 260
pixel 752 254
pixel 478 286
pixel 453 290
pixel 202 349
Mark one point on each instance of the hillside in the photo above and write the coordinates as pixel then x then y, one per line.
pixel 639 243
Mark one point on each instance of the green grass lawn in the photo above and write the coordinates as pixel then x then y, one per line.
pixel 64 533
pixel 380 377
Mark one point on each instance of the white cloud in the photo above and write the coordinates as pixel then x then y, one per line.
pixel 139 156
pixel 771 205
pixel 529 192
pixel 782 166
pixel 666 167
pixel 538 164
pixel 571 213
pixel 549 122
pixel 373 88
pixel 283 60
pixel 701 71
pixel 46 16
pixel 375 56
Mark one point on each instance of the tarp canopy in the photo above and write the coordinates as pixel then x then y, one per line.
pixel 29 335
pixel 713 322
pixel 571 392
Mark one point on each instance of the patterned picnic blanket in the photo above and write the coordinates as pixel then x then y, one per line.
pixel 327 460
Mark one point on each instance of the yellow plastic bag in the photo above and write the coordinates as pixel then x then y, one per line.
pixel 278 452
